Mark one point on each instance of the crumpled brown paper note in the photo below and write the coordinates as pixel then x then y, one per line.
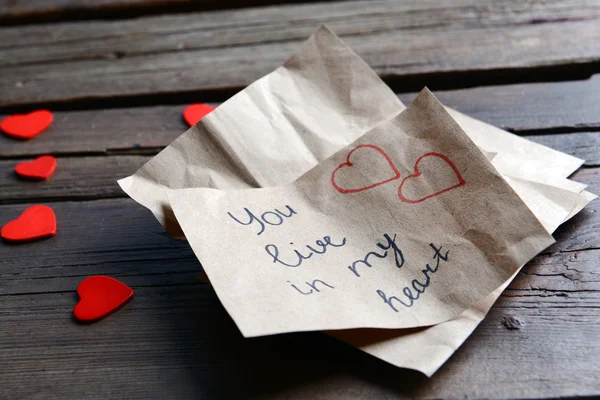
pixel 322 99
pixel 407 227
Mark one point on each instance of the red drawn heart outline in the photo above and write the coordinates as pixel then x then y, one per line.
pixel 347 163
pixel 417 173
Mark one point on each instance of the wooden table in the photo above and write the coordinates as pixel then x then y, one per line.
pixel 118 73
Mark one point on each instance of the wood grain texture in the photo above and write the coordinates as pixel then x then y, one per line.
pixel 230 49
pixel 562 106
pixel 585 145
pixel 532 107
pixel 194 31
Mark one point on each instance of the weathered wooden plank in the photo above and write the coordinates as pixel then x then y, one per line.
pixel 178 342
pixel 584 145
pixel 529 107
pixel 521 107
pixel 582 231
pixel 193 31
pixel 230 49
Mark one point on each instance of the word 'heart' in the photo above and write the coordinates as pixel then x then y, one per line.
pixel 36 222
pixel 364 172
pixel 41 168
pixel 27 126
pixel 194 113
pixel 100 296
pixel 433 175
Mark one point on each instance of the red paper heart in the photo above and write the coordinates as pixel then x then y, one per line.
pixel 41 168
pixel 27 126
pixel 36 222
pixel 417 174
pixel 194 113
pixel 348 164
pixel 100 296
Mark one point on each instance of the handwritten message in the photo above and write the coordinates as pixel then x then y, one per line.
pixel 293 257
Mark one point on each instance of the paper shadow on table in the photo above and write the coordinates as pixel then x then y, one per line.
pixel 224 364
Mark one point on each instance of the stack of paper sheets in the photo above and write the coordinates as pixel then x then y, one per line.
pixel 315 200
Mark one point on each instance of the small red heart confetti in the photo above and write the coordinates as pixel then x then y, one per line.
pixel 194 113
pixel 100 296
pixel 36 222
pixel 27 126
pixel 41 168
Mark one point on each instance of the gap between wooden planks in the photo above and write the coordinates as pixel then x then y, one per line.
pixel 405 43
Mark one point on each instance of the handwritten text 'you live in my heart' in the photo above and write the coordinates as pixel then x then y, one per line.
pixel 293 256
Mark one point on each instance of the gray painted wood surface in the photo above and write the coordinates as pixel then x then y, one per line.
pixel 227 50
pixel 119 87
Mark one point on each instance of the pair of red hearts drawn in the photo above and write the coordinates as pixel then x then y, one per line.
pixel 378 152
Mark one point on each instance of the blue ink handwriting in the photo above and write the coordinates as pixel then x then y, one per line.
pixel 273 218
pixel 313 286
pixel 417 286
pixel 389 244
pixel 273 251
